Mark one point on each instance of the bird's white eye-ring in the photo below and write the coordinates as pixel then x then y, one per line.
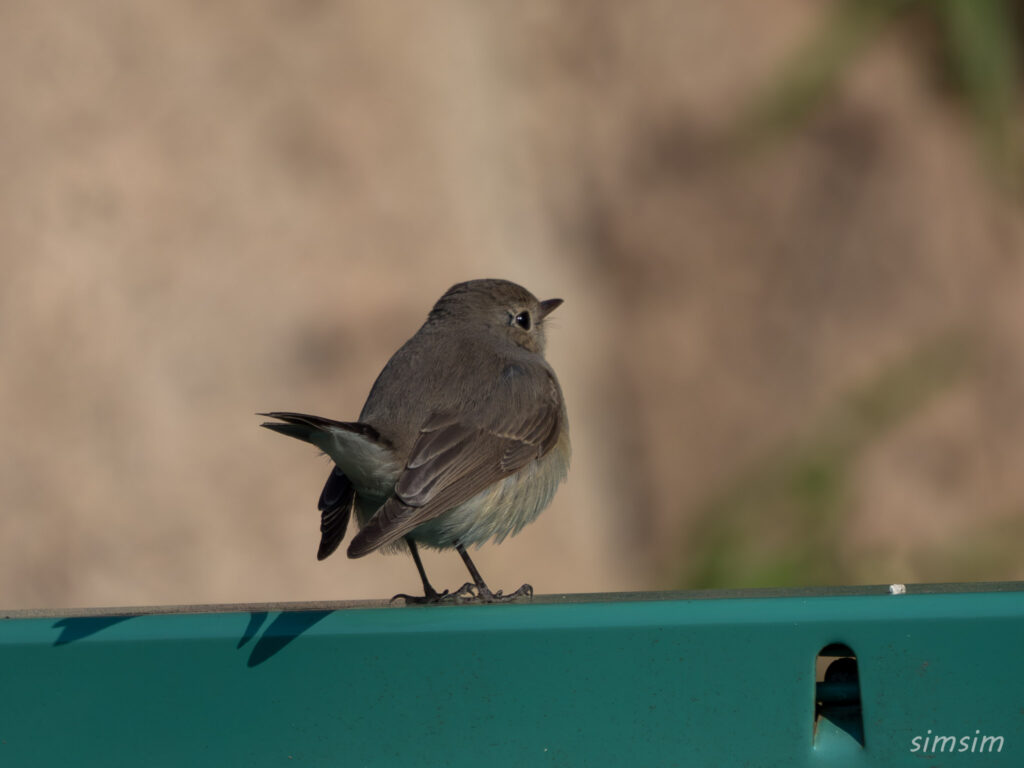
pixel 523 320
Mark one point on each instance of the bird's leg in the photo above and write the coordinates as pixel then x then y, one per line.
pixel 483 593
pixel 430 595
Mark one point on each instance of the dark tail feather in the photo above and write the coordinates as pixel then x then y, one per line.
pixel 302 426
pixel 335 509
pixel 338 495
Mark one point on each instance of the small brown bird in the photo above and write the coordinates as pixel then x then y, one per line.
pixel 463 437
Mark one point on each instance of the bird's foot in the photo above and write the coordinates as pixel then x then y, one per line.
pixel 479 593
pixel 432 597
pixel 467 593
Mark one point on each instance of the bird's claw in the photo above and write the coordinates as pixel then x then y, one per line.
pixel 467 593
pixel 430 598
pixel 479 593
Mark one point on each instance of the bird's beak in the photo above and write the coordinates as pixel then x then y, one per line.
pixel 549 306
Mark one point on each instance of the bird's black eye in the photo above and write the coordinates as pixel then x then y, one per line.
pixel 523 320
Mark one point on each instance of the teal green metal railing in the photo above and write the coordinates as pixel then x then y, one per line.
pixel 659 679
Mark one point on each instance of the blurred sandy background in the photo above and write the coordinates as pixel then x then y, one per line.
pixel 797 365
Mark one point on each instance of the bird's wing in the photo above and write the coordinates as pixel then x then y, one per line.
pixel 453 460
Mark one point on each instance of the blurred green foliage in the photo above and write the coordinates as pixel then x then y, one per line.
pixel 781 522
pixel 974 45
